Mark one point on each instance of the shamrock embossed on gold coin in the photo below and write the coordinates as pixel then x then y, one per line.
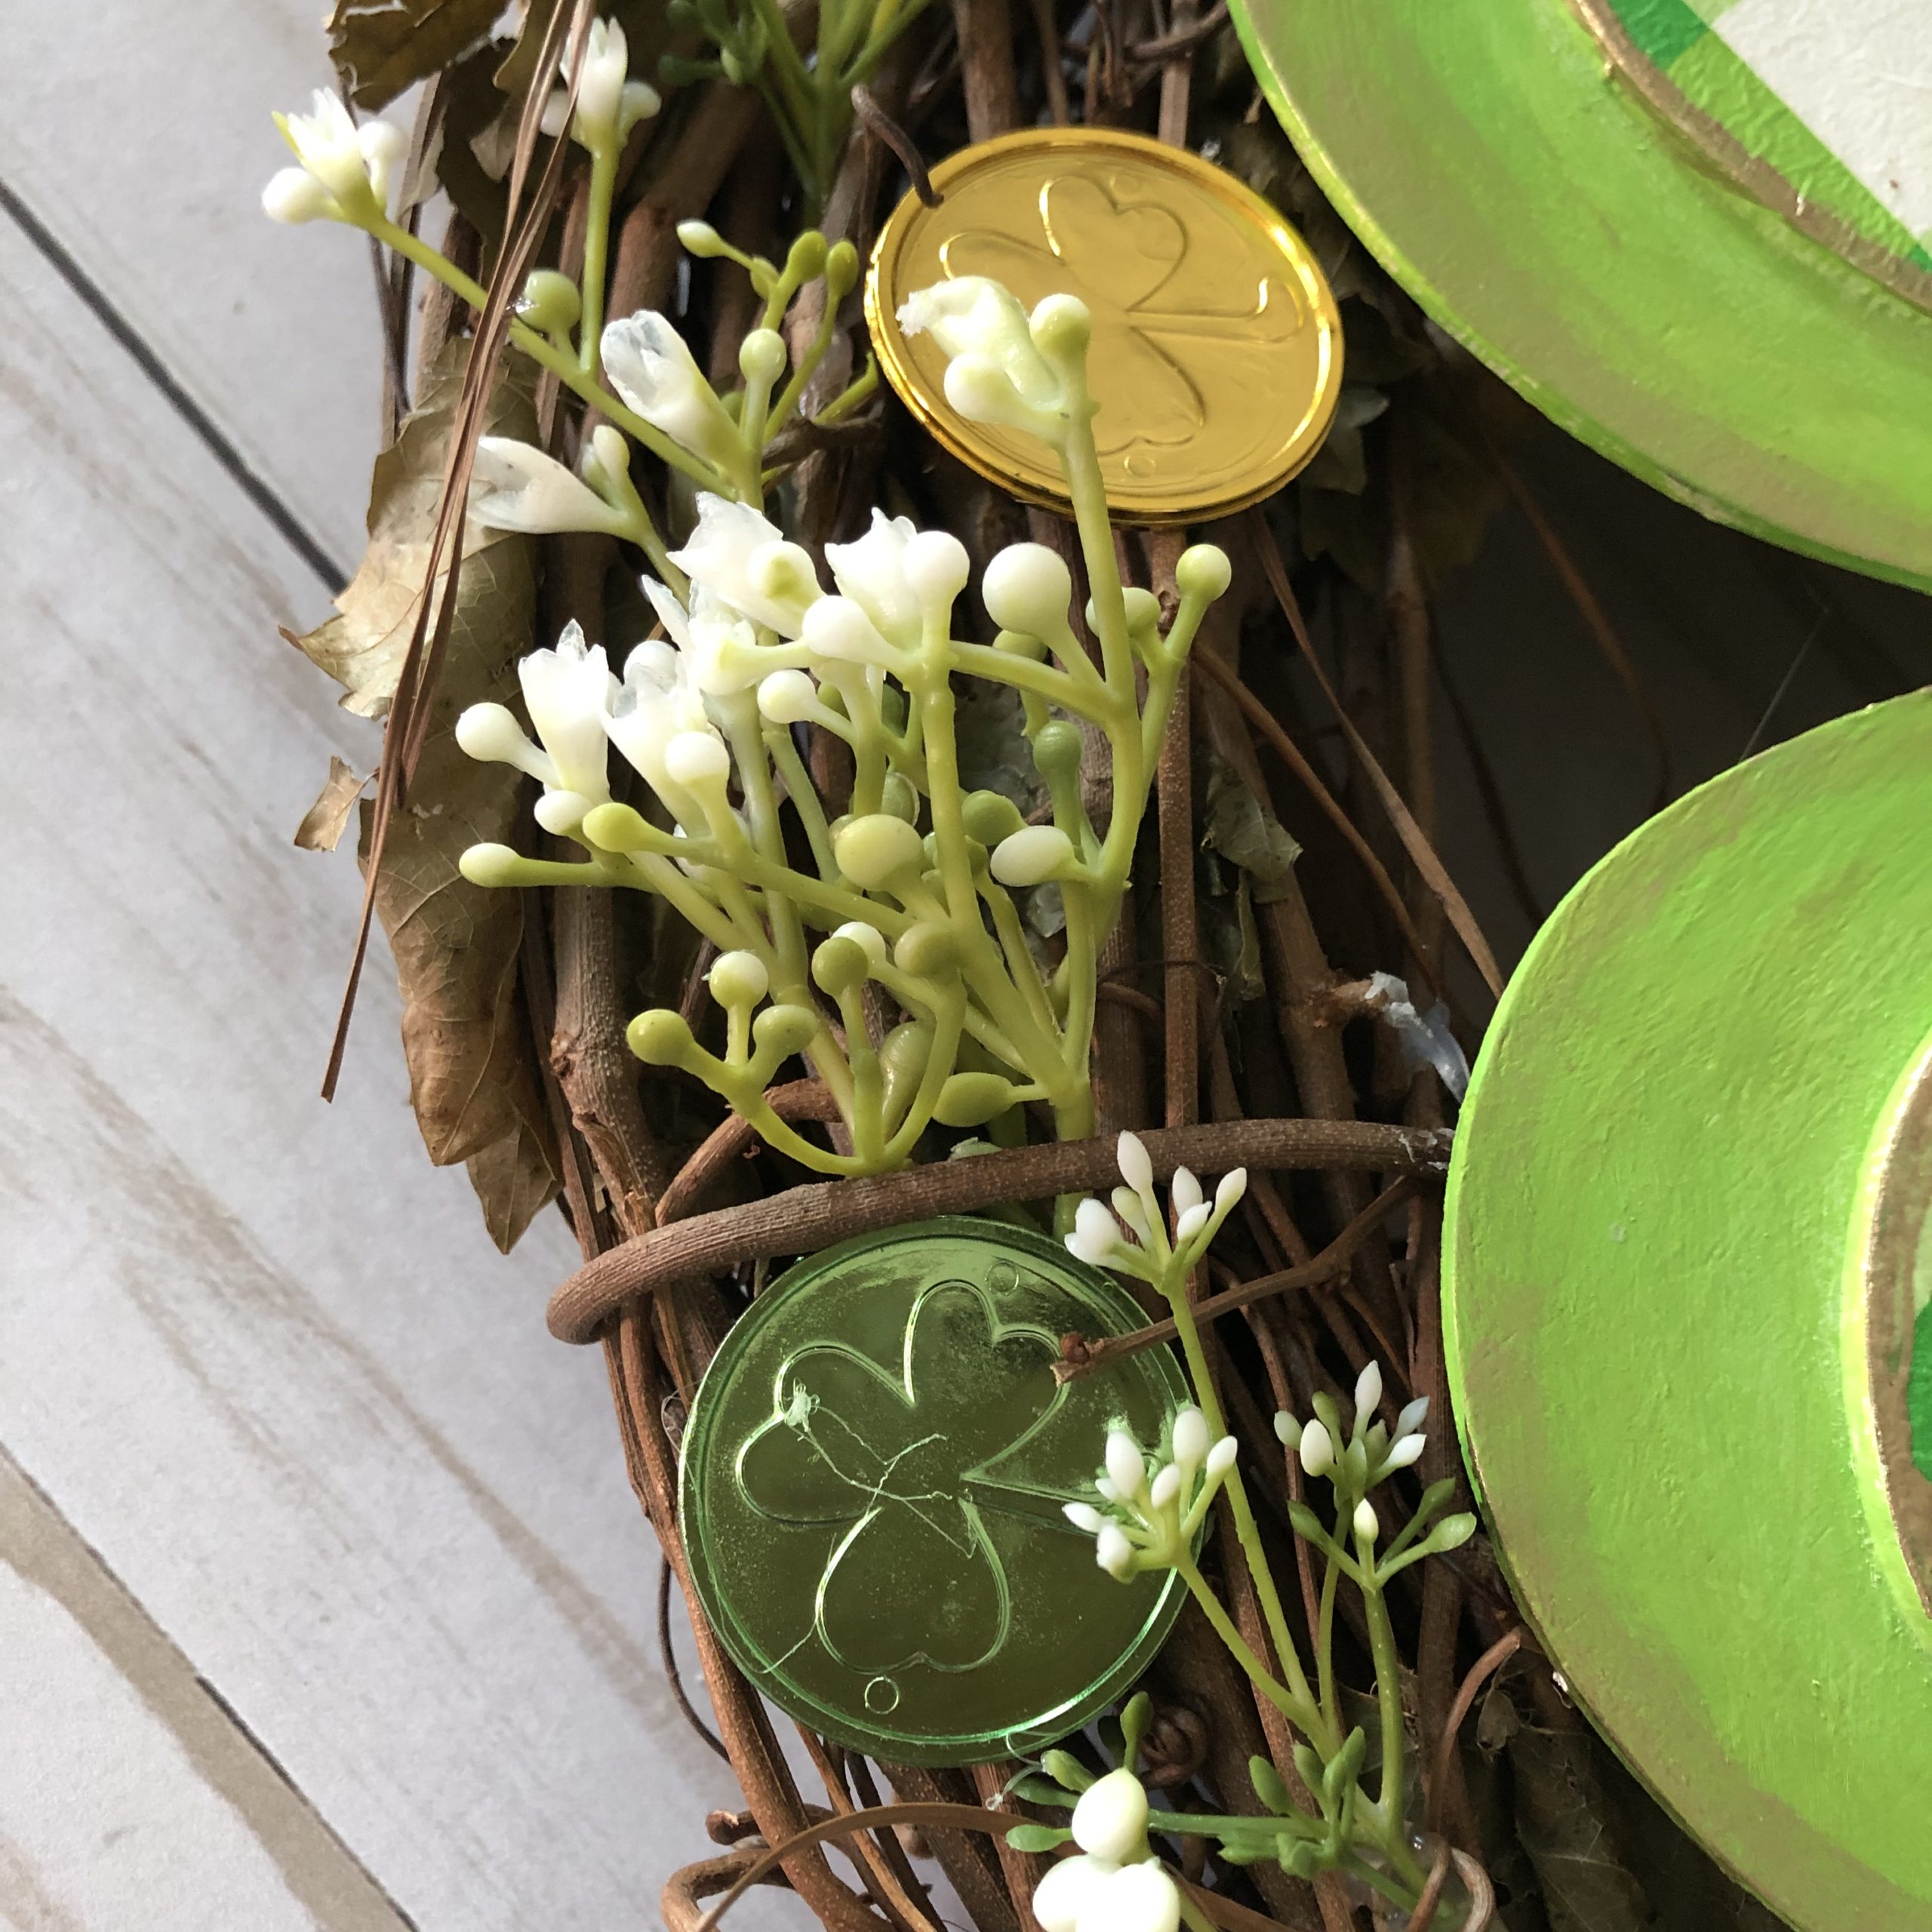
pixel 873 1474
pixel 1217 355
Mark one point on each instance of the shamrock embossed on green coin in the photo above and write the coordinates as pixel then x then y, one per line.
pixel 873 1476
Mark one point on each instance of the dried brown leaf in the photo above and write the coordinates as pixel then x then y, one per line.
pixel 362 646
pixel 455 945
pixel 1565 1822
pixel 515 1179
pixel 381 47
pixel 324 822
pixel 1243 830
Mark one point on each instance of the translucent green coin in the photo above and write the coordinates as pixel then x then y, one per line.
pixel 873 1475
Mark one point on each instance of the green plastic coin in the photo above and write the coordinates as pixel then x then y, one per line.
pixel 874 1471
pixel 1541 208
pixel 1687 1266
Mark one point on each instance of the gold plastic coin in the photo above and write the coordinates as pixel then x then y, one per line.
pixel 1216 353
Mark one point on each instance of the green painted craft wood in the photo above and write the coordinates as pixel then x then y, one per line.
pixel 1550 220
pixel 1658 1291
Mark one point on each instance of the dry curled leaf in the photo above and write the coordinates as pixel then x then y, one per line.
pixel 362 646
pixel 1243 830
pixel 381 47
pixel 324 822
pixel 455 945
pixel 1565 1821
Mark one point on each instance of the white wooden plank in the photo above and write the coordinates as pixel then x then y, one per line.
pixel 128 1795
pixel 140 135
pixel 257 1353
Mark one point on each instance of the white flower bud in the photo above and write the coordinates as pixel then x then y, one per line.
pixel 1413 1415
pixel 294 195
pixel 1203 572
pixel 1368 1393
pixel 1140 1897
pixel 788 697
pixel 1072 1887
pixel 1096 1236
pixel 762 357
pixel 699 239
pixel 1129 1207
pixel 838 628
pixel 490 733
pixel 983 392
pixel 1316 1449
pixel 1032 855
pixel 697 757
pixel 1061 327
pixel 1191 1223
pixel 1110 1821
pixel 1228 1195
pixel 1367 1526
pixel 1184 1191
pixel 1405 1449
pixel 1112 1551
pixel 1136 1168
pixel 1191 1439
pixel 739 979
pixel 870 938
pixel 563 812
pixel 647 363
pixel 936 567
pixel 1287 1429
pixel 875 850
pixel 491 865
pixel 1028 587
pixel 610 450
pixel 1164 1488
pixel 1221 1458
pixel 1084 1516
pixel 514 486
pixel 383 144
pixel 1126 1469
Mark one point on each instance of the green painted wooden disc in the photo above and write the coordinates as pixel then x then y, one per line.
pixel 1689 1246
pixel 873 1472
pixel 1543 212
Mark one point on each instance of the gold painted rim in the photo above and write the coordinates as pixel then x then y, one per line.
pixel 935 416
pixel 1751 172
pixel 1896 1211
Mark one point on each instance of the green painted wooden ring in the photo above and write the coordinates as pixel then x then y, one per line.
pixel 1688 1254
pixel 1546 214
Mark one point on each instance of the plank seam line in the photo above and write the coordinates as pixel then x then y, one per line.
pixel 252 485
pixel 114 1580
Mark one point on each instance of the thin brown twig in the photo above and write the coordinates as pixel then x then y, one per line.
pixel 883 128
pixel 803 1220
pixel 1603 632
pixel 1492 1660
pixel 672 1675
pixel 410 709
pixel 1265 721
pixel 1423 1917
pixel 1089 1357
pixel 1421 853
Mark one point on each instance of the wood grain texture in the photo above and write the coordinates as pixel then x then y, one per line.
pixel 141 136
pixel 255 1351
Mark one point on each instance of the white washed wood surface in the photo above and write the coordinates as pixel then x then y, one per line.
pixel 322 1599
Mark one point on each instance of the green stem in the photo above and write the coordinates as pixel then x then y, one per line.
pixel 596 243
pixel 544 353
pixel 1247 1530
pixel 1295 1709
